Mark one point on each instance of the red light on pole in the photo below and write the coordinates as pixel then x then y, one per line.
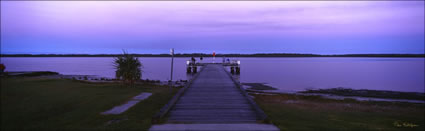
pixel 213 56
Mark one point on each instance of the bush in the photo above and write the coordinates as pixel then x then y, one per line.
pixel 128 68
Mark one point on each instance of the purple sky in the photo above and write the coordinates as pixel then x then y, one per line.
pixel 320 27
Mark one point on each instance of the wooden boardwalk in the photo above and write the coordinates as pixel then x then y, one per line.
pixel 213 97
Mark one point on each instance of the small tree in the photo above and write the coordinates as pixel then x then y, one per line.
pixel 128 68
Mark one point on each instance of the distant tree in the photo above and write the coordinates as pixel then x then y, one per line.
pixel 128 68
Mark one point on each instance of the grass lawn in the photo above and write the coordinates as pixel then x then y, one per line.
pixel 40 103
pixel 293 112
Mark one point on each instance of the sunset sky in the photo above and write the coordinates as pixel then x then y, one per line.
pixel 319 27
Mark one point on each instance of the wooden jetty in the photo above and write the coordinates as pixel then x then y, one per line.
pixel 212 96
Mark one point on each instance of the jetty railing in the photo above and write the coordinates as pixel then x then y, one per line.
pixel 192 67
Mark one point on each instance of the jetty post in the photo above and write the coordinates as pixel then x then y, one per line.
pixel 235 67
pixel 188 68
pixel 192 67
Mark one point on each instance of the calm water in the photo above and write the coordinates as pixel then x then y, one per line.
pixel 287 74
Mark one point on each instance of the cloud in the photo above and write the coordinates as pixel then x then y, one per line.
pixel 155 18
pixel 156 23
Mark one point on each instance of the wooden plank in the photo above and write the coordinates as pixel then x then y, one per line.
pixel 213 97
pixel 164 110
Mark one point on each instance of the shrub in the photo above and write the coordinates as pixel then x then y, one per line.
pixel 128 68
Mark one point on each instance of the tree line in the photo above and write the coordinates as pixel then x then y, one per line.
pixel 217 55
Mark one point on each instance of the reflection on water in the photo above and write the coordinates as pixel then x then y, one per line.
pixel 286 74
pixel 294 74
pixel 189 76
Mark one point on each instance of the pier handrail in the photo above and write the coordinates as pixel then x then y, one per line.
pixel 166 108
pixel 232 63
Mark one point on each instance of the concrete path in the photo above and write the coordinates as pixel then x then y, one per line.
pixel 122 108
pixel 212 98
pixel 214 127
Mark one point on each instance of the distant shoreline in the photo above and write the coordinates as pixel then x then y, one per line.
pixel 219 55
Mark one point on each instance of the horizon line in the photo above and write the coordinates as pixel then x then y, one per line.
pixel 217 54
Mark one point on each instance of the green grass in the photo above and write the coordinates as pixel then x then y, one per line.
pixel 292 112
pixel 37 103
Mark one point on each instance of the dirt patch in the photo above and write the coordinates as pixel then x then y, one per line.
pixel 258 86
pixel 318 103
pixel 369 93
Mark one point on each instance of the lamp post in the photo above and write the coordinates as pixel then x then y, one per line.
pixel 172 62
